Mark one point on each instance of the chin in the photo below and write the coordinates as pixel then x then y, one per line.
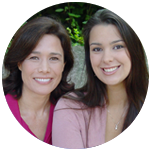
pixel 114 83
pixel 43 93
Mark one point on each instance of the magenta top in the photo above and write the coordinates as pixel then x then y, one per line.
pixel 14 107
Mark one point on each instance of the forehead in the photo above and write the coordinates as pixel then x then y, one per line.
pixel 49 43
pixel 104 33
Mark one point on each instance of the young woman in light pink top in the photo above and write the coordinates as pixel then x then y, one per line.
pixel 38 63
pixel 117 82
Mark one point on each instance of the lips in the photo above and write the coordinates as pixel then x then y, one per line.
pixel 43 80
pixel 110 70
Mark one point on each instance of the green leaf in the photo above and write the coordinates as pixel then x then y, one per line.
pixel 59 10
pixel 74 15
pixel 73 23
pixel 66 8
pixel 84 22
pixel 67 19
pixel 69 30
pixel 87 17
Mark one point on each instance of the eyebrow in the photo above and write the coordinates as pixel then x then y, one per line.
pixel 52 53
pixel 116 41
pixel 110 43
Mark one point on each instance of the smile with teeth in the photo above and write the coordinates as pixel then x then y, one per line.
pixel 42 80
pixel 110 69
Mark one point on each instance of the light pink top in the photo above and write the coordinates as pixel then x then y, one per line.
pixel 72 128
pixel 14 107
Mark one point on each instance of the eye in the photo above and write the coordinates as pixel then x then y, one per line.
pixel 118 47
pixel 34 58
pixel 54 58
pixel 97 49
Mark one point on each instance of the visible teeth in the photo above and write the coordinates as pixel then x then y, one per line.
pixel 42 80
pixel 111 69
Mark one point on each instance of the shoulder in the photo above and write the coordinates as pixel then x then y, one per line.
pixel 68 124
pixel 13 105
pixel 64 103
pixel 10 99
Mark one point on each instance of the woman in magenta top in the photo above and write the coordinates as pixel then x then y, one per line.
pixel 38 63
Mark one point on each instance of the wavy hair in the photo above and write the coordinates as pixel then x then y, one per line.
pixel 24 41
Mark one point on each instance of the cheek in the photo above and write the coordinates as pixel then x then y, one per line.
pixel 92 59
pixel 127 60
pixel 26 71
pixel 129 66
pixel 58 69
pixel 95 61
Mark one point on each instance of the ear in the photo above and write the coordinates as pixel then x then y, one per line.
pixel 20 66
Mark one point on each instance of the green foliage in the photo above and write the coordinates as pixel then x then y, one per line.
pixel 73 15
pixel 76 36
pixel 77 15
pixel 59 10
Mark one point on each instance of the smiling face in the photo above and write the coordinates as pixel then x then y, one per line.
pixel 109 56
pixel 42 69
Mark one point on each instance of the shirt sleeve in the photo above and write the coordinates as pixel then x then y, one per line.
pixel 66 131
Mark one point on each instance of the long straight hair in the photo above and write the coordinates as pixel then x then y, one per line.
pixel 136 83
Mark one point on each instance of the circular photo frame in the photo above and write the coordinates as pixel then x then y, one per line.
pixel 84 37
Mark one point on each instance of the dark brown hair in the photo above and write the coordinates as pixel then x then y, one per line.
pixel 136 82
pixel 24 41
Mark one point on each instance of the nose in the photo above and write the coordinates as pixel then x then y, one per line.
pixel 107 56
pixel 44 67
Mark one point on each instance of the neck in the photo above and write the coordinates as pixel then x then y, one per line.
pixel 33 103
pixel 117 96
